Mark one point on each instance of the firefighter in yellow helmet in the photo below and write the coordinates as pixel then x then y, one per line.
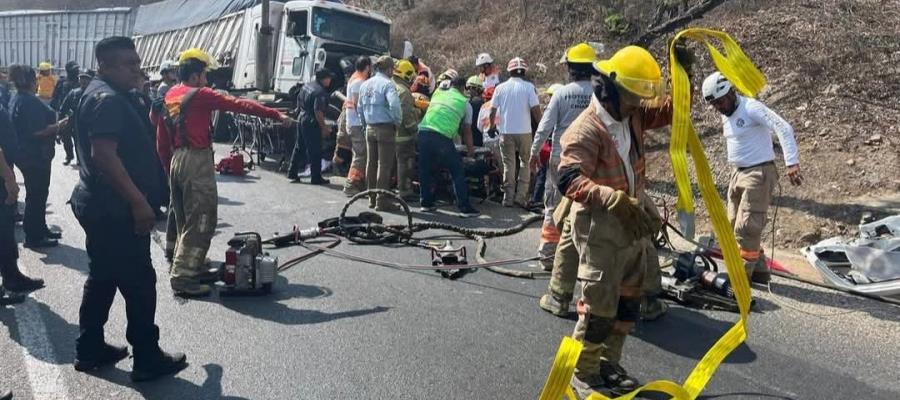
pixel 46 82
pixel 611 218
pixel 185 149
pixel 404 73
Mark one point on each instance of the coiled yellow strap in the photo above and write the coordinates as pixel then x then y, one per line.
pixel 748 80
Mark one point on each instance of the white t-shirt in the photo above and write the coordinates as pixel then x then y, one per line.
pixel 620 132
pixel 748 135
pixel 514 100
pixel 353 95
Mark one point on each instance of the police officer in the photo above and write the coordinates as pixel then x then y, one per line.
pixel 312 101
pixel 121 184
pixel 13 279
pixel 36 127
pixel 62 90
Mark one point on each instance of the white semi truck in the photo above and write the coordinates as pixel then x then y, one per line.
pixel 304 36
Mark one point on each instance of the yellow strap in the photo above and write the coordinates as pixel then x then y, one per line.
pixel 748 80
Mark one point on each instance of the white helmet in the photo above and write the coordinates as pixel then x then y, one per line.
pixel 483 58
pixel 715 86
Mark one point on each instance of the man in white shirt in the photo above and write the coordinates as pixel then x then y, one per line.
pixel 516 104
pixel 748 125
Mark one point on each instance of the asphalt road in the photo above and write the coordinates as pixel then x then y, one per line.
pixel 339 329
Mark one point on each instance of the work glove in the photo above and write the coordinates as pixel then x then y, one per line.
pixel 630 213
pixel 685 56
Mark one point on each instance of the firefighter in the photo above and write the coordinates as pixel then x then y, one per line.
pixel 611 220
pixel 380 111
pixel 46 82
pixel 184 141
pixel 121 185
pixel 404 72
pixel 566 104
pixel 748 125
pixel 356 177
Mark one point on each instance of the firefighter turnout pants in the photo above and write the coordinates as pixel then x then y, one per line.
pixel 194 200
pixel 550 235
pixel 356 178
pixel 612 266
pixel 406 163
pixel 749 195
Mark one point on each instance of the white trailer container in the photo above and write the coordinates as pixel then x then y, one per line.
pixel 33 36
pixel 307 35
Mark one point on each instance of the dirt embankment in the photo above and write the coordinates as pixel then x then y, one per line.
pixel 833 68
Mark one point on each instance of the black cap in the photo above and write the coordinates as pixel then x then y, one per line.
pixel 323 73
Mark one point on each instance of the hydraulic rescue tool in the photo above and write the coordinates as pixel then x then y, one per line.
pixel 247 269
pixel 234 164
pixel 697 282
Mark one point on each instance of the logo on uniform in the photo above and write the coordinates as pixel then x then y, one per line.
pixel 740 123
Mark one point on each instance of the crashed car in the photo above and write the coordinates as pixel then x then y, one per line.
pixel 869 264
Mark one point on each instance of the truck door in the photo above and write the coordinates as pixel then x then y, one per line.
pixel 294 53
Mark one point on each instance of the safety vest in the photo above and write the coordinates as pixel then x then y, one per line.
pixel 446 111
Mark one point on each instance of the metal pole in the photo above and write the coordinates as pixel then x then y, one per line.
pixel 264 51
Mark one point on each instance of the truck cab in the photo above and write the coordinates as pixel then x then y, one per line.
pixel 320 34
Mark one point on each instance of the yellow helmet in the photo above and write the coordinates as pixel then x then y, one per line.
pixel 199 55
pixel 581 53
pixel 404 69
pixel 45 66
pixel 635 70
pixel 553 88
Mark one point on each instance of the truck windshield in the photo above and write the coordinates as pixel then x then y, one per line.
pixel 351 29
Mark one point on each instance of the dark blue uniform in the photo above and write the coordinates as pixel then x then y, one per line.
pixel 119 258
pixel 308 149
pixel 29 116
pixel 9 251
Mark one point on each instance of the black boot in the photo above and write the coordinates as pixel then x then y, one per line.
pixel 15 281
pixel 7 395
pixel 156 365
pixel 107 354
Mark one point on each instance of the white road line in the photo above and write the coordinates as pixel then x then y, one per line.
pixel 44 374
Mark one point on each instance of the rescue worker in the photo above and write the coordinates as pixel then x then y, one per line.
pixel 490 139
pixel 13 279
pixel 404 72
pixel 487 72
pixel 184 143
pixel 312 102
pixel 566 104
pixel 356 177
pixel 69 106
pixel 423 71
pixel 517 106
pixel 168 73
pixel 611 220
pixel 46 82
pixel 380 111
pixel 60 92
pixel 121 184
pixel 448 115
pixel 475 89
pixel 36 129
pixel 748 125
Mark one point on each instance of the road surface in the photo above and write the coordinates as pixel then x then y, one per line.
pixel 340 329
